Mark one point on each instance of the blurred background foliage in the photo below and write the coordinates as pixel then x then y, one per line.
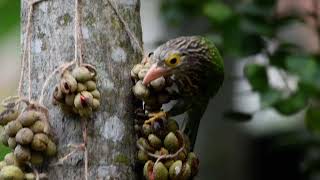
pixel 9 23
pixel 286 34
pixel 9 16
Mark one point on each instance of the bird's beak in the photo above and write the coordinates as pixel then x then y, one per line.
pixel 153 73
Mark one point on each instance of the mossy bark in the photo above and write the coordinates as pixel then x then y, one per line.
pixel 107 46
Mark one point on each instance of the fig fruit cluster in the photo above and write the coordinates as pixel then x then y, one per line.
pixel 162 139
pixel 11 168
pixel 156 93
pixel 77 91
pixel 27 134
pixel 164 151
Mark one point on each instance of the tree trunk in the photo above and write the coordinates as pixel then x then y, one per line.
pixel 107 46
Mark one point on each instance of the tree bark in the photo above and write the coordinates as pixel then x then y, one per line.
pixel 107 46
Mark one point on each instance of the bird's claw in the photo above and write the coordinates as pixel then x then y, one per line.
pixel 155 117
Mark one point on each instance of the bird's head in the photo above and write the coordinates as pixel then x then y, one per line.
pixel 180 56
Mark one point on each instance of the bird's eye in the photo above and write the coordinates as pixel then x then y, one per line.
pixel 173 60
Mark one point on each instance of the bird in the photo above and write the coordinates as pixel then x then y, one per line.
pixel 197 68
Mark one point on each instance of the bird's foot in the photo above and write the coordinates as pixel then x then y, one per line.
pixel 155 116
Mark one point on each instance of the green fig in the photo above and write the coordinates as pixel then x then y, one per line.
pixel 148 170
pixel 160 171
pixel 171 142
pixel 96 94
pixel 154 141
pixel 140 90
pixel 175 170
pixel 81 87
pixel 91 85
pixel 82 74
pixel 11 173
pixel 51 148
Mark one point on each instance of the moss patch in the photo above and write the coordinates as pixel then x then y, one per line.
pixel 64 20
pixel 121 159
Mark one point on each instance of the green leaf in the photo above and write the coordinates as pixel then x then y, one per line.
pixel 269 97
pixel 257 77
pixel 292 104
pixel 303 66
pixel 256 27
pixel 3 151
pixel 252 10
pixel 312 119
pixel 217 11
pixel 9 16
pixel 278 58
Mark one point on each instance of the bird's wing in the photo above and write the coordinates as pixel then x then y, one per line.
pixel 194 115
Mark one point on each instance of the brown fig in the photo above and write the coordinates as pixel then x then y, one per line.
pixel 22 153
pixel 68 83
pixel 58 96
pixel 27 118
pixel 12 142
pixel 39 142
pixel 37 127
pixel 8 115
pixel 12 128
pixel 4 137
pixel 24 136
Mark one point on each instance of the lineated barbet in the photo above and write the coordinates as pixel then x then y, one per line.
pixel 196 67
